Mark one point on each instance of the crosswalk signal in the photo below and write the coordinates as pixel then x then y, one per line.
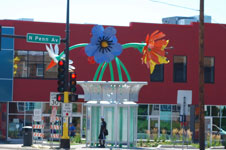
pixel 60 97
pixel 73 97
pixel 61 76
pixel 73 82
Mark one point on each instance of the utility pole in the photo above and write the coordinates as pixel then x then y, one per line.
pixel 65 140
pixel 201 78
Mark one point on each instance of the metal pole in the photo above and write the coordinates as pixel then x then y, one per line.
pixel 183 119
pixel 201 78
pixel 65 140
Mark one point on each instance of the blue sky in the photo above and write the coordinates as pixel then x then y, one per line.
pixel 108 12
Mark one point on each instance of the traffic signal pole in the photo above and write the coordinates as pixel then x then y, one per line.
pixel 65 140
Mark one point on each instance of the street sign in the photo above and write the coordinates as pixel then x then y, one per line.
pixel 37 115
pixel 43 38
pixel 66 109
pixel 53 101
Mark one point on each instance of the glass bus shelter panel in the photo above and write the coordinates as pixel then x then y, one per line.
pixel 109 92
pixel 123 124
pixel 88 124
pixel 95 123
pixel 133 127
pixel 109 117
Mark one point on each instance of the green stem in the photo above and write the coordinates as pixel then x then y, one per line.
pixel 71 48
pixel 102 72
pixel 111 71
pixel 119 69
pixel 124 68
pixel 97 72
pixel 138 46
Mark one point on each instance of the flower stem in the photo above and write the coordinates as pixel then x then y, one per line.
pixel 102 71
pixel 138 46
pixel 73 47
pixel 119 69
pixel 97 72
pixel 111 71
pixel 124 68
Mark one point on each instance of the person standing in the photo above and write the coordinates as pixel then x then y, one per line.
pixel 102 135
pixel 72 130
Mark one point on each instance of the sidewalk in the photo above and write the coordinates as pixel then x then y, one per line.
pixel 82 147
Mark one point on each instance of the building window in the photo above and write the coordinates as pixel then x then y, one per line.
pixel 143 110
pixel 180 69
pixel 158 74
pixel 33 64
pixel 209 69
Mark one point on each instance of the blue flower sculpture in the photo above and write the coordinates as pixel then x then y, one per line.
pixel 104 45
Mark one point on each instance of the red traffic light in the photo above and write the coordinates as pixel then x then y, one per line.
pixel 73 75
pixel 61 63
pixel 60 97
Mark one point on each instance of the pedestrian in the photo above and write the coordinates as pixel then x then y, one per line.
pixel 72 130
pixel 103 133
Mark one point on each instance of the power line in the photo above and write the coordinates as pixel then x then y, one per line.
pixel 175 5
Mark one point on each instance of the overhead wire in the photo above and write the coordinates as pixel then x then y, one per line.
pixel 175 5
pixel 169 4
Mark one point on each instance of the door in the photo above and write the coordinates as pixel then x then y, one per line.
pixel 154 127
pixel 76 121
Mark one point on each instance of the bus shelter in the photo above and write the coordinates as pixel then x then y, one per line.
pixel 116 102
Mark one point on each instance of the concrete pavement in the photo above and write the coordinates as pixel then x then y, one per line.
pixel 82 147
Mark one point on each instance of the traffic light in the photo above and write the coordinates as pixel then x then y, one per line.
pixel 73 83
pixel 60 97
pixel 61 76
pixel 73 97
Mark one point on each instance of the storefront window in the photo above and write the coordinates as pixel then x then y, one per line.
pixel 154 110
pixel 223 123
pixel 215 110
pixel 165 120
pixel 143 110
pixel 223 111
pixel 175 110
pixel 176 123
pixel 76 107
pixel 16 123
pixel 16 107
pixel 142 126
pixel 46 109
pixel 216 121
pixel 28 120
pixel 207 110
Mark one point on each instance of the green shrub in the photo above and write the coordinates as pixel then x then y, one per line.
pixel 76 139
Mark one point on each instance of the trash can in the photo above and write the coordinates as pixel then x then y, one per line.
pixel 27 135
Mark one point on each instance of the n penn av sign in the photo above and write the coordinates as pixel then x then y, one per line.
pixel 43 38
